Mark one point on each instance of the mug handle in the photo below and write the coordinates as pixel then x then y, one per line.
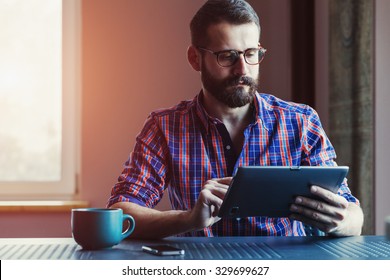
pixel 131 227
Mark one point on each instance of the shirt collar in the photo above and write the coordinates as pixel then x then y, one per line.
pixel 205 118
pixel 261 110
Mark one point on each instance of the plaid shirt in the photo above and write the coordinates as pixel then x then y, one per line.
pixel 182 147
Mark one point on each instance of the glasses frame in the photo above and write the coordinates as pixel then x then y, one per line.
pixel 238 53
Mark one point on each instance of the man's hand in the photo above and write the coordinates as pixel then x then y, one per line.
pixel 155 224
pixel 335 215
pixel 205 212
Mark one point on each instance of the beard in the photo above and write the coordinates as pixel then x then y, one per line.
pixel 230 91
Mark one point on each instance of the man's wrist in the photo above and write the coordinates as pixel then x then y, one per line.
pixel 186 222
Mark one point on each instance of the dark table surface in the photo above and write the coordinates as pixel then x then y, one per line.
pixel 206 248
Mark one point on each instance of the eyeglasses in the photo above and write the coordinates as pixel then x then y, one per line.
pixel 228 58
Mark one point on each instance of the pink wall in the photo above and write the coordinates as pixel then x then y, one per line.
pixel 134 61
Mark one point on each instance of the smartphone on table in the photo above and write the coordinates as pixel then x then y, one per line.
pixel 163 250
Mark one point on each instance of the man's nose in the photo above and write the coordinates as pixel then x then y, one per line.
pixel 240 67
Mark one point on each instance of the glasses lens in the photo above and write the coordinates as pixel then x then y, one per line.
pixel 254 56
pixel 227 58
pixel 262 52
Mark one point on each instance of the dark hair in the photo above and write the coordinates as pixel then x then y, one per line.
pixel 217 11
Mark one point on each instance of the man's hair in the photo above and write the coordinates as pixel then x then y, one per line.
pixel 217 11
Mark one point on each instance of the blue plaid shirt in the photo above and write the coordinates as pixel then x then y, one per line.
pixel 182 147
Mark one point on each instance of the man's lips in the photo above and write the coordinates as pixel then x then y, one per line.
pixel 243 81
pixel 241 85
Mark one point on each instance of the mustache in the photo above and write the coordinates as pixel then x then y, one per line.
pixel 248 81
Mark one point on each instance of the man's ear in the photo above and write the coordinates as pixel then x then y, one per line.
pixel 193 58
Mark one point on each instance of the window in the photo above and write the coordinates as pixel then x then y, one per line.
pixel 39 70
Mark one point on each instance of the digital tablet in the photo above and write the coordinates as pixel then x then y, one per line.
pixel 270 190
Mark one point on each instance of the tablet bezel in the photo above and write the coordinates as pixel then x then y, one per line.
pixel 270 190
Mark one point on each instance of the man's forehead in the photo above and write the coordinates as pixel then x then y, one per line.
pixel 225 33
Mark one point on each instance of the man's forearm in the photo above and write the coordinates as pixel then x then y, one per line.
pixel 154 224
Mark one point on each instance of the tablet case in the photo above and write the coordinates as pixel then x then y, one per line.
pixel 270 190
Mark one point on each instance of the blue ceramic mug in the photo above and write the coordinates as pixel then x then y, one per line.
pixel 98 228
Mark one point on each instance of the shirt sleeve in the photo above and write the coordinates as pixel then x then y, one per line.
pixel 318 150
pixel 143 178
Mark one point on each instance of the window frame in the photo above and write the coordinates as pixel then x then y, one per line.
pixel 66 188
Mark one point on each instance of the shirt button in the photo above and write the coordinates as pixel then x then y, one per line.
pixel 228 147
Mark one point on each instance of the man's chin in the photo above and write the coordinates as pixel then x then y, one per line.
pixel 236 106
pixel 242 88
pixel 238 100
